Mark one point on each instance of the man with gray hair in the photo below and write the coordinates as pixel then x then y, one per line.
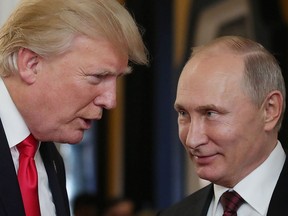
pixel 230 103
pixel 59 62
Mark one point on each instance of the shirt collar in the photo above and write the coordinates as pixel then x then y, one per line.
pixel 13 123
pixel 251 187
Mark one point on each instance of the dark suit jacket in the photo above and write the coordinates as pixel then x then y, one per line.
pixel 197 204
pixel 10 195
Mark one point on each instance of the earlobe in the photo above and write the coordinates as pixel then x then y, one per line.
pixel 27 65
pixel 273 109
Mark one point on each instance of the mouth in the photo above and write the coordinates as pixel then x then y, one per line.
pixel 204 159
pixel 86 123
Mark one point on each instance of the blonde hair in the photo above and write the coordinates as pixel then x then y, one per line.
pixel 262 73
pixel 47 27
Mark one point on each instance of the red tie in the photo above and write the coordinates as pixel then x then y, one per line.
pixel 27 175
pixel 231 201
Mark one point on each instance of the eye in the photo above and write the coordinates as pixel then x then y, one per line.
pixel 182 113
pixel 211 113
pixel 95 78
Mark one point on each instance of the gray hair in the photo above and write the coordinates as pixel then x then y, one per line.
pixel 262 73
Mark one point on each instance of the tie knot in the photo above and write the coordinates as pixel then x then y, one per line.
pixel 28 146
pixel 231 201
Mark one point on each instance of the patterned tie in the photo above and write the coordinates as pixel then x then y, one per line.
pixel 231 201
pixel 27 175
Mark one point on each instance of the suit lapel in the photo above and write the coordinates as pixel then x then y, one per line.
pixel 56 175
pixel 203 200
pixel 10 195
pixel 279 201
pixel 197 204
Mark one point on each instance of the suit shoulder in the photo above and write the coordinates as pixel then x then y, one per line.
pixel 194 204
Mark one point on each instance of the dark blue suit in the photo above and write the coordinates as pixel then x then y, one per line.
pixel 10 195
pixel 197 204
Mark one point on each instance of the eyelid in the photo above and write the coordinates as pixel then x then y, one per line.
pixel 100 75
pixel 179 109
pixel 181 112
pixel 211 108
pixel 211 112
pixel 109 74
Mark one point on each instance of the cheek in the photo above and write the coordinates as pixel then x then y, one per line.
pixel 183 132
pixel 224 129
pixel 231 143
pixel 76 96
pixel 225 140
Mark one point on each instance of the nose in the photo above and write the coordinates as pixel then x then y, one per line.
pixel 107 99
pixel 196 135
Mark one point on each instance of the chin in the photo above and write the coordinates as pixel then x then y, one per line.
pixel 207 175
pixel 75 140
pixel 72 138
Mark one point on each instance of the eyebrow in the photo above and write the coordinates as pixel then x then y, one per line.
pixel 202 108
pixel 207 107
pixel 178 107
pixel 211 107
pixel 126 71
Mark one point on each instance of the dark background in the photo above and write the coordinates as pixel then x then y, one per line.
pixel 154 171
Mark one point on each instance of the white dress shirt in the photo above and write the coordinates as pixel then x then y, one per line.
pixel 16 131
pixel 256 188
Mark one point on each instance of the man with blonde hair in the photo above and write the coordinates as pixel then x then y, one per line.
pixel 59 62
pixel 230 103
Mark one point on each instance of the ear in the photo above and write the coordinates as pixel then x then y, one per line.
pixel 273 109
pixel 27 63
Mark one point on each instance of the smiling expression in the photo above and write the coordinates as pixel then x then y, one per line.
pixel 219 126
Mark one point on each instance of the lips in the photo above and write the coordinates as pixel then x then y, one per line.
pixel 204 160
pixel 85 124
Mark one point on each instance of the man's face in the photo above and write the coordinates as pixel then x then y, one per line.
pixel 72 89
pixel 220 127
